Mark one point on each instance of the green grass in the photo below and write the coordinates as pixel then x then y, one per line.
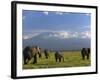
pixel 71 59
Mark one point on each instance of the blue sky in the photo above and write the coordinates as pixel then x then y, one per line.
pixel 52 29
pixel 35 22
pixel 54 20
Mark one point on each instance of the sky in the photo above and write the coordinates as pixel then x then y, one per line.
pixel 59 25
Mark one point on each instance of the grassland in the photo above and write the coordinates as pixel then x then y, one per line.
pixel 71 59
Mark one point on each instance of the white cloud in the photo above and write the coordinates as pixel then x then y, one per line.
pixel 75 35
pixel 58 34
pixel 59 13
pixel 23 17
pixel 46 13
pixel 28 36
pixel 87 14
pixel 86 34
pixel 69 34
pixel 64 34
pixel 85 27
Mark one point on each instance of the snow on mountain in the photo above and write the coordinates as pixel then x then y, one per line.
pixel 58 40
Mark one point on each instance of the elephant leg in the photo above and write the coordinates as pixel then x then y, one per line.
pixel 39 55
pixel 25 60
pixel 87 56
pixel 63 59
pixel 35 59
pixel 46 56
pixel 59 59
pixel 83 56
pixel 56 59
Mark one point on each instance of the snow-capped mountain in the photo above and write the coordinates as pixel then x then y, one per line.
pixel 57 40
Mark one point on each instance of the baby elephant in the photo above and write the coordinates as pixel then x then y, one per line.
pixel 58 56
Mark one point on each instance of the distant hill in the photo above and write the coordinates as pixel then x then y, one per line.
pixel 45 41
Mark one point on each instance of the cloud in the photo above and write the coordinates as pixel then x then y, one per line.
pixel 46 34
pixel 87 14
pixel 86 27
pixel 28 36
pixel 57 34
pixel 69 34
pixel 86 34
pixel 75 35
pixel 23 17
pixel 62 34
pixel 46 13
pixel 59 13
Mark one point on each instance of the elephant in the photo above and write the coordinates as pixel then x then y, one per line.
pixel 46 53
pixel 85 52
pixel 35 50
pixel 26 54
pixel 59 56
pixel 31 53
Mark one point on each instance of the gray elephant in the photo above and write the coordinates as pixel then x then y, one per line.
pixel 58 56
pixel 85 52
pixel 46 53
pixel 26 54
